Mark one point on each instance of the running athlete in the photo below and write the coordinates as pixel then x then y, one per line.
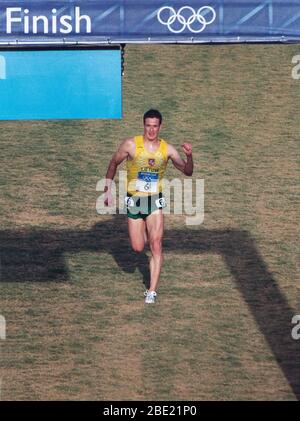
pixel 147 157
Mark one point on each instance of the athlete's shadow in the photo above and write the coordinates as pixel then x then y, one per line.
pixel 39 255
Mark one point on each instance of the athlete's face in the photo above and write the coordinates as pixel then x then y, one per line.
pixel 151 128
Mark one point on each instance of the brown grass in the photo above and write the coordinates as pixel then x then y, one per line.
pixel 91 337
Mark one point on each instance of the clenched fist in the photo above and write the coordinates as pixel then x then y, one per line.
pixel 187 148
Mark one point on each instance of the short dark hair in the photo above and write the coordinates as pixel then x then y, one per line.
pixel 153 114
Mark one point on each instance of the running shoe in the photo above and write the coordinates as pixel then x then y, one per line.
pixel 150 297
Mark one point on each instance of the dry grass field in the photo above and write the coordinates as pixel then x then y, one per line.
pixel 72 290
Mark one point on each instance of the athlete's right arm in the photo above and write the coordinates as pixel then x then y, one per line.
pixel 125 150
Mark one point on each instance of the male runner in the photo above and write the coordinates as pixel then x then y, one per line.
pixel 147 156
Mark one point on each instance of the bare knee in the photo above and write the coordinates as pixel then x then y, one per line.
pixel 137 247
pixel 156 246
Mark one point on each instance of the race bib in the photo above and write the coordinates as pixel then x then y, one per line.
pixel 147 182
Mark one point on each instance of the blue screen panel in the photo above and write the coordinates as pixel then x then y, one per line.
pixel 60 84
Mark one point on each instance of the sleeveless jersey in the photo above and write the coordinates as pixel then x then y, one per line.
pixel 146 170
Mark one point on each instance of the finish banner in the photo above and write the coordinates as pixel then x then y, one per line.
pixel 30 22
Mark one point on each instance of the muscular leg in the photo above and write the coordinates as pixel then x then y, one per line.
pixel 137 233
pixel 155 228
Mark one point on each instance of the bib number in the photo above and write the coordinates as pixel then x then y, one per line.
pixel 147 182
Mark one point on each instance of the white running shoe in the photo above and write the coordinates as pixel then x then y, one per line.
pixel 150 297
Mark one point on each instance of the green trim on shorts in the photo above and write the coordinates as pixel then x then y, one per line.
pixel 143 206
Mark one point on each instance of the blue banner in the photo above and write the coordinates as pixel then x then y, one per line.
pixel 123 21
pixel 60 84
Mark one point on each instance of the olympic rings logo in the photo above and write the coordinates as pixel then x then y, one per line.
pixel 186 21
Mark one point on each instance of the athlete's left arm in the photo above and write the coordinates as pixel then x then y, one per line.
pixel 184 166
